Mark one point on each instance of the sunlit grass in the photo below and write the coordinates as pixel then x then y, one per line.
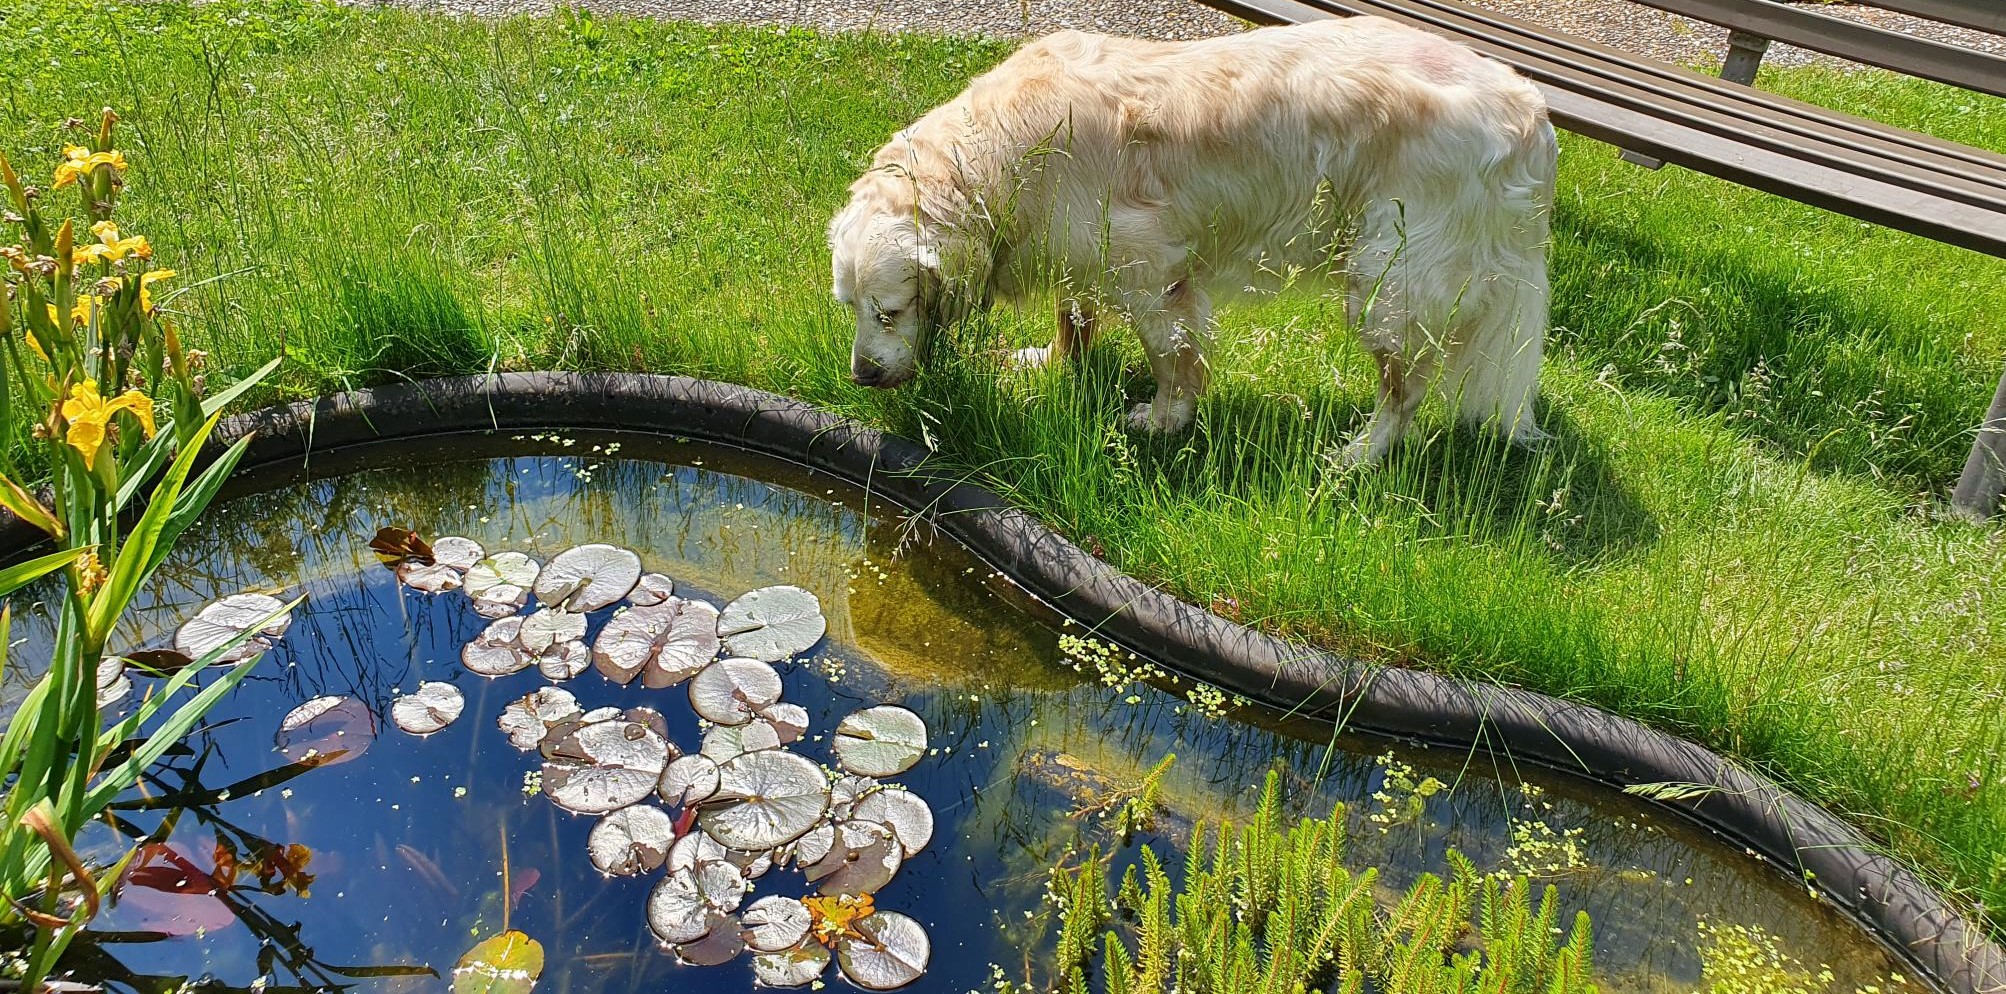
pixel 1756 402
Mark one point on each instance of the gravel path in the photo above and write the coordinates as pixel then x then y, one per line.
pixel 1618 23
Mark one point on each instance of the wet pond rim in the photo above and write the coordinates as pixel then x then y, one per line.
pixel 1849 870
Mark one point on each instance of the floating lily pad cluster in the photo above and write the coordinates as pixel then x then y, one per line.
pixel 715 820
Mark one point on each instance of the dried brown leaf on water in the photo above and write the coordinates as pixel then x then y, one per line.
pixel 219 622
pixel 882 741
pixel 393 542
pixel 732 691
pixel 604 765
pixel 588 577
pixel 631 841
pixel 326 730
pixel 664 644
pixel 431 707
pixel 772 623
pixel 509 963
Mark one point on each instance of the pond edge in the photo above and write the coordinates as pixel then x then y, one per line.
pixel 1845 867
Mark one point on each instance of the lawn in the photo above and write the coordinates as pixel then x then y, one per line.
pixel 1757 403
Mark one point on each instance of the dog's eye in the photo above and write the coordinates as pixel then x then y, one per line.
pixel 888 318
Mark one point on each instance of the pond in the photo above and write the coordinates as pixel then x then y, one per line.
pixel 374 858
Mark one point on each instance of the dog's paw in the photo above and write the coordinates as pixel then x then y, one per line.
pixel 1359 453
pixel 1031 358
pixel 1530 438
pixel 1159 418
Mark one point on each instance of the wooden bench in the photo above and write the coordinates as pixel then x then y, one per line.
pixel 1659 113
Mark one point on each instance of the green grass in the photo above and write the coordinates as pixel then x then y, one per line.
pixel 1756 402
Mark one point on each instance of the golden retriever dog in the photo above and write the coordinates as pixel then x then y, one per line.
pixel 1145 179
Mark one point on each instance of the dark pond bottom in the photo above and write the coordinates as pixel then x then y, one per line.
pixel 404 840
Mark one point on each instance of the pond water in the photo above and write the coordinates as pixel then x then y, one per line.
pixel 404 840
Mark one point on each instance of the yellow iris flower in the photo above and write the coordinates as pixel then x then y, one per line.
pixel 78 162
pixel 110 247
pixel 89 414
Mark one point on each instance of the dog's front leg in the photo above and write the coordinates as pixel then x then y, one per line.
pixel 1076 327
pixel 1174 332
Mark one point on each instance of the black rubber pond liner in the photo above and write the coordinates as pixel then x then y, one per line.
pixel 1844 866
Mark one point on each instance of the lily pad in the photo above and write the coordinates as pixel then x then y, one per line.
pixel 652 589
pixel 865 857
pixel 497 650
pixel 883 741
pixel 908 816
pixel 774 923
pixel 664 644
pixel 588 577
pixel 564 660
pixel 846 792
pixel 326 730
pixel 530 718
pixel 225 619
pixel 502 576
pixel 698 847
pixel 631 841
pixel 689 904
pixel 732 691
pixel 431 707
pixel 509 963
pixel 721 946
pixel 549 626
pixel 789 721
pixel 113 685
pixel 459 553
pixel 604 765
pixel 797 967
pixel 688 780
pixel 887 950
pixel 765 799
pixel 722 743
pixel 772 623
pixel 428 578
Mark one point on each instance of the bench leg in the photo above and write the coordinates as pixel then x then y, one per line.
pixel 1982 485
pixel 1744 57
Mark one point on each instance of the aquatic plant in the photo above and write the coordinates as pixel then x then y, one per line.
pixel 1272 908
pixel 93 372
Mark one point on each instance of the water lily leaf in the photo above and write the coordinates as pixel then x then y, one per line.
pixel 564 660
pixel 688 780
pixel 887 951
pixel 604 765
pixel 326 730
pixel 113 685
pixel 431 707
pixel 159 662
pixel 765 799
pixel 908 816
pixel 527 720
pixel 502 575
pixel 774 923
pixel 549 626
pixel 772 623
pixel 722 743
pixel 428 578
pixel 732 691
pixel 223 620
pixel 697 848
pixel 459 553
pixel 797 967
pixel 864 857
pixel 789 721
pixel 846 792
pixel 509 963
pixel 814 844
pixel 721 946
pixel 392 542
pixel 497 650
pixel 588 577
pixel 883 741
pixel 631 841
pixel 680 908
pixel 664 644
pixel 652 589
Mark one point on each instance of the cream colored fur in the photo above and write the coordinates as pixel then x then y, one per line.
pixel 1146 179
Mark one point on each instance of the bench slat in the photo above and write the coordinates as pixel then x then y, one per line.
pixel 1979 15
pixel 1863 43
pixel 1891 204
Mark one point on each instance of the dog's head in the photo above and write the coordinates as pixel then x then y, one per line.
pixel 889 276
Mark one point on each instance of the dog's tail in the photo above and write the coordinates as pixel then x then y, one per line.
pixel 1494 376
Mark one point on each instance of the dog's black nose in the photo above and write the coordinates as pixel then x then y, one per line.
pixel 864 372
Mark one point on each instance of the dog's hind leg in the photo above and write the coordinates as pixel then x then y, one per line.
pixel 1076 327
pixel 1175 328
pixel 1403 382
pixel 1494 376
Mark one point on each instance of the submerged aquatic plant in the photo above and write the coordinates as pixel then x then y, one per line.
pixel 1272 908
pixel 94 374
